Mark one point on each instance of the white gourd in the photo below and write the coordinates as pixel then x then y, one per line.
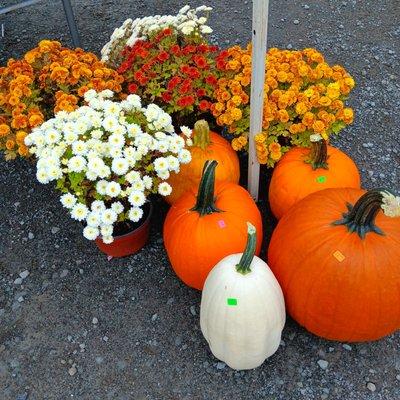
pixel 244 334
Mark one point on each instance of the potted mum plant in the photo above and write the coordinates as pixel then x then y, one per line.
pixel 167 60
pixel 107 157
pixel 48 79
pixel 304 95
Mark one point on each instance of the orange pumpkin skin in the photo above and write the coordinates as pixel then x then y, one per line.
pixel 337 285
pixel 196 243
pixel 189 175
pixel 293 178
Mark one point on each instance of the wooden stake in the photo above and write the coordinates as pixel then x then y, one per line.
pixel 259 48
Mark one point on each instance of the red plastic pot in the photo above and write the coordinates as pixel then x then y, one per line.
pixel 129 243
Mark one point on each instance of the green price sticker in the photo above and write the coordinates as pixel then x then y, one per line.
pixel 231 302
pixel 321 179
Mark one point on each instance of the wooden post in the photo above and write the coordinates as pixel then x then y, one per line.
pixel 259 48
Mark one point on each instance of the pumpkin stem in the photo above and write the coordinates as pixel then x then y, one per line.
pixel 205 203
pixel 247 257
pixel 318 156
pixel 201 134
pixel 360 218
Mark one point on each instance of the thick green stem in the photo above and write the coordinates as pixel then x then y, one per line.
pixel 247 257
pixel 360 218
pixel 205 203
pixel 201 134
pixel 318 157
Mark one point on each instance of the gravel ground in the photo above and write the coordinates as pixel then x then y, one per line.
pixel 74 325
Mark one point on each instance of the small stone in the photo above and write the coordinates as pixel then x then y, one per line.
pixel 221 365
pixel 105 338
pixel 331 349
pixel 347 347
pixel 2 348
pixel 371 386
pixel 99 360
pixel 292 335
pixel 64 273
pixel 95 321
pixel 63 362
pixel 170 301
pixel 18 281
pixel 398 377
pixel 24 274
pixel 72 371
pixel 282 343
pixel 193 310
pixel 20 299
pixel 154 317
pixel 296 21
pixel 323 364
pixel 55 229
pixel 306 6
pixel 31 235
pixel 289 47
pixel 81 271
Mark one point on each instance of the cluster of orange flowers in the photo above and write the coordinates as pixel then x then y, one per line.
pixel 303 96
pixel 50 78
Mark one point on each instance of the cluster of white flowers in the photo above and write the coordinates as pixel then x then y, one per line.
pixel 121 151
pixel 390 204
pixel 186 22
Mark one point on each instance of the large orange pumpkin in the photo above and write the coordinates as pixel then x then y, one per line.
pixel 336 254
pixel 207 145
pixel 206 224
pixel 301 172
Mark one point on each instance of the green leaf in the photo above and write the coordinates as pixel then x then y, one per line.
pixel 337 126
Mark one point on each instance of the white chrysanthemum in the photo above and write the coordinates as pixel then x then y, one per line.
pixel 95 164
pixel 205 29
pixel 76 164
pixel 98 206
pixel 109 123
pixel 142 150
pixel 97 133
pixel 52 136
pixel 79 148
pixel 163 146
pixel 106 230
pixel 112 108
pixel 54 172
pixel 92 176
pixel 138 185
pixel 42 176
pixel 173 163
pixel 148 182
pixel 119 130
pixel 101 187
pixel 160 135
pixel 132 176
pixel 189 142
pixel 108 216
pixel 164 189
pixel 134 100
pixel 390 204
pixel 79 212
pixel 152 112
pixel 186 131
pixel 163 175
pixel 105 172
pixel 187 29
pixel 107 239
pixel 113 189
pixel 93 219
pixel 184 156
pixel 106 94
pixel 137 198
pixel 68 200
pixel 90 232
pixel 134 130
pixel 120 166
pixel 116 140
pixel 90 94
pixel 115 152
pixel 117 207
pixel 135 214
pixel 160 164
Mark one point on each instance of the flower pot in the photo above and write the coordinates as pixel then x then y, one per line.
pixel 131 242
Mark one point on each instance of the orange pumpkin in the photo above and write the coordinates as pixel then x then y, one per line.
pixel 207 224
pixel 207 145
pixel 301 172
pixel 336 255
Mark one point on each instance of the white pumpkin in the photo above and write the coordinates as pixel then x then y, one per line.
pixel 242 311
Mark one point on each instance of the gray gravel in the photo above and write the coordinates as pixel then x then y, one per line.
pixel 79 326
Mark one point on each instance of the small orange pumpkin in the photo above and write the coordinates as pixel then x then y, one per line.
pixel 336 255
pixel 207 145
pixel 301 172
pixel 207 224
